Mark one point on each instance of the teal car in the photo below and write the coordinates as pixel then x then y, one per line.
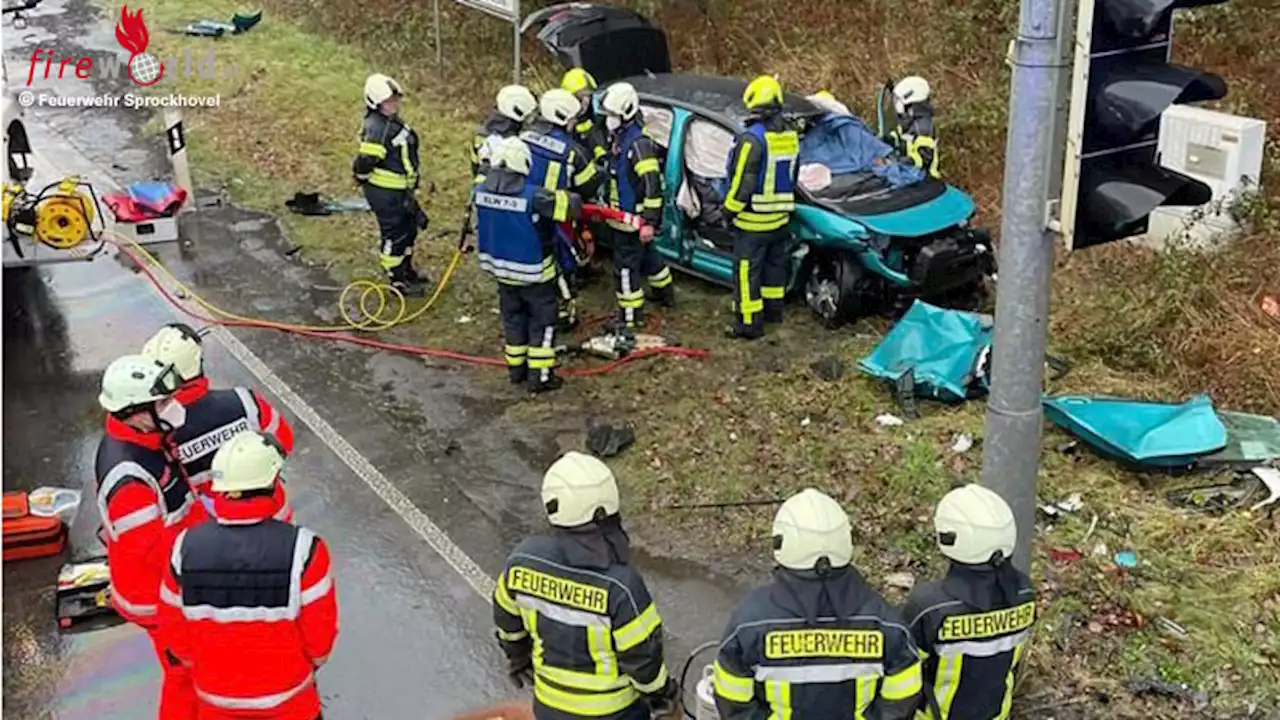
pixel 859 247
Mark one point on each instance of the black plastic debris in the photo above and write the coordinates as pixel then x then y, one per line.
pixel 606 440
pixel 1177 691
pixel 828 368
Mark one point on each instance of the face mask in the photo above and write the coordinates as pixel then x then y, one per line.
pixel 613 122
pixel 173 415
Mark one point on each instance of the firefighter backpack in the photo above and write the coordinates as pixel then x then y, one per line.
pixel 28 536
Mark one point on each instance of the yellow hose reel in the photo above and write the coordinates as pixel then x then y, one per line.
pixel 64 218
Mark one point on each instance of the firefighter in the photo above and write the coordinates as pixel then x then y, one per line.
pixel 248 602
pixel 213 416
pixel 635 186
pixel 387 166
pixel 760 200
pixel 576 589
pixel 144 502
pixel 512 108
pixel 515 221
pixel 979 616
pixel 588 130
pixel 913 135
pixel 819 641
pixel 560 163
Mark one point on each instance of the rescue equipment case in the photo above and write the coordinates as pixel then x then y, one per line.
pixel 28 536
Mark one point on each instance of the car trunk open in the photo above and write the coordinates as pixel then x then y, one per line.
pixel 610 43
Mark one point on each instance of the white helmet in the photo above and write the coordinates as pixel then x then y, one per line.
pixel 512 153
pixel 516 102
pixel 973 525
pixel 621 100
pixel 379 88
pixel 579 489
pixel 134 381
pixel 559 107
pixel 810 527
pixel 178 345
pixel 909 91
pixel 248 461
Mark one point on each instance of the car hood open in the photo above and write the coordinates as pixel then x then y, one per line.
pixel 609 42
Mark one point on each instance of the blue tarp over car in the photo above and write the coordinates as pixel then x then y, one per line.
pixel 844 144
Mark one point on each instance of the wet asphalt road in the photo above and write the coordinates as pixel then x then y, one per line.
pixel 416 639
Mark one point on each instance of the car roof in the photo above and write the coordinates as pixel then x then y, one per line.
pixel 711 95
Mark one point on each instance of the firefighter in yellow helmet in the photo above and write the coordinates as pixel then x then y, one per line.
pixel 589 129
pixel 761 197
pixel 818 642
pixel 574 589
pixel 979 616
pixel 913 136
pixel 513 106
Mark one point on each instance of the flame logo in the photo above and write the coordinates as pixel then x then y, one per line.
pixel 131 31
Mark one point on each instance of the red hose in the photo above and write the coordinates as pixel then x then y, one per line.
pixel 396 347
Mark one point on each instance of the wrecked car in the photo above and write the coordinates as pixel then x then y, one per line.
pixel 866 235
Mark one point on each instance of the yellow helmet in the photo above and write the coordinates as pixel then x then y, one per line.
pixel 764 91
pixel 248 461
pixel 824 95
pixel 577 80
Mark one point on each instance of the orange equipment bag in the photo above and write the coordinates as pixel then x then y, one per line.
pixel 29 536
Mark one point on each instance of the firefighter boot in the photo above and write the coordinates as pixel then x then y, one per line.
pixel 518 374
pixel 663 297
pixel 540 385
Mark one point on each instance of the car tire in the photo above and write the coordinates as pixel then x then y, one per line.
pixel 839 290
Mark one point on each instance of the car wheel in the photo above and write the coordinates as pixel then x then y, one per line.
pixel 839 289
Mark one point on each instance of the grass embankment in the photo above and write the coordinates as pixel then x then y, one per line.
pixel 753 422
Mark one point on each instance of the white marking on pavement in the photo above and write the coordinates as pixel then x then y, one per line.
pixel 399 503
pixel 360 465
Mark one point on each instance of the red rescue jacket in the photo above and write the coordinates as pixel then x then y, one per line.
pixel 144 502
pixel 215 416
pixel 248 603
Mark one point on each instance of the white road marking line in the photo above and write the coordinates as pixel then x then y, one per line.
pixel 399 503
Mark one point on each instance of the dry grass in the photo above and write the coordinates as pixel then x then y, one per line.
pixel 752 422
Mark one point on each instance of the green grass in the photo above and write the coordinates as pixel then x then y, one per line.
pixel 734 427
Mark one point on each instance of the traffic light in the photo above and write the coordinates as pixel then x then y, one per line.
pixel 1123 81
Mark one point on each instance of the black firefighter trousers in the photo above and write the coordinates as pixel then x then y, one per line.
pixel 529 328
pixel 760 266
pixel 396 211
pixel 633 263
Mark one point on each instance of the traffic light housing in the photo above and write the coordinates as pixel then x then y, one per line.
pixel 1122 83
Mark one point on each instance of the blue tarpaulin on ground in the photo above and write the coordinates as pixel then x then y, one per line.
pixel 1143 433
pixel 941 348
pixel 844 144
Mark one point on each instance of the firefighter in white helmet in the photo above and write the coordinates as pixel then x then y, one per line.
pixel 635 186
pixel 249 591
pixel 513 107
pixel 213 416
pixel 576 588
pixel 818 642
pixel 979 615
pixel 913 136
pixel 388 167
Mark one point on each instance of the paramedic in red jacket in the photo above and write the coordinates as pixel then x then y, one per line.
pixel 248 602
pixel 144 502
pixel 213 416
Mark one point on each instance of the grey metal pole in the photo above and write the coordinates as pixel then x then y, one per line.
pixel 439 46
pixel 515 24
pixel 1011 449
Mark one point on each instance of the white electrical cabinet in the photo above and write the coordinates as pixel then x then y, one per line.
pixel 1222 151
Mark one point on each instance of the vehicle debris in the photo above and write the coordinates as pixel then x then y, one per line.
pixel 1179 691
pixel 1126 559
pixel 1063 507
pixel 887 420
pixel 962 443
pixel 606 440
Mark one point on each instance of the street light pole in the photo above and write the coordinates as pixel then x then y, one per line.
pixel 1011 448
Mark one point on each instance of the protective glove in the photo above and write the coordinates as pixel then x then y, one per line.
pixel 520 670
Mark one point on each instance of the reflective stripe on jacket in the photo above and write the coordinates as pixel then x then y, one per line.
pixel 854 660
pixel 971 655
pixel 762 176
pixel 388 153
pixel 635 182
pixel 247 591
pixel 144 502
pixel 595 634
pixel 559 162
